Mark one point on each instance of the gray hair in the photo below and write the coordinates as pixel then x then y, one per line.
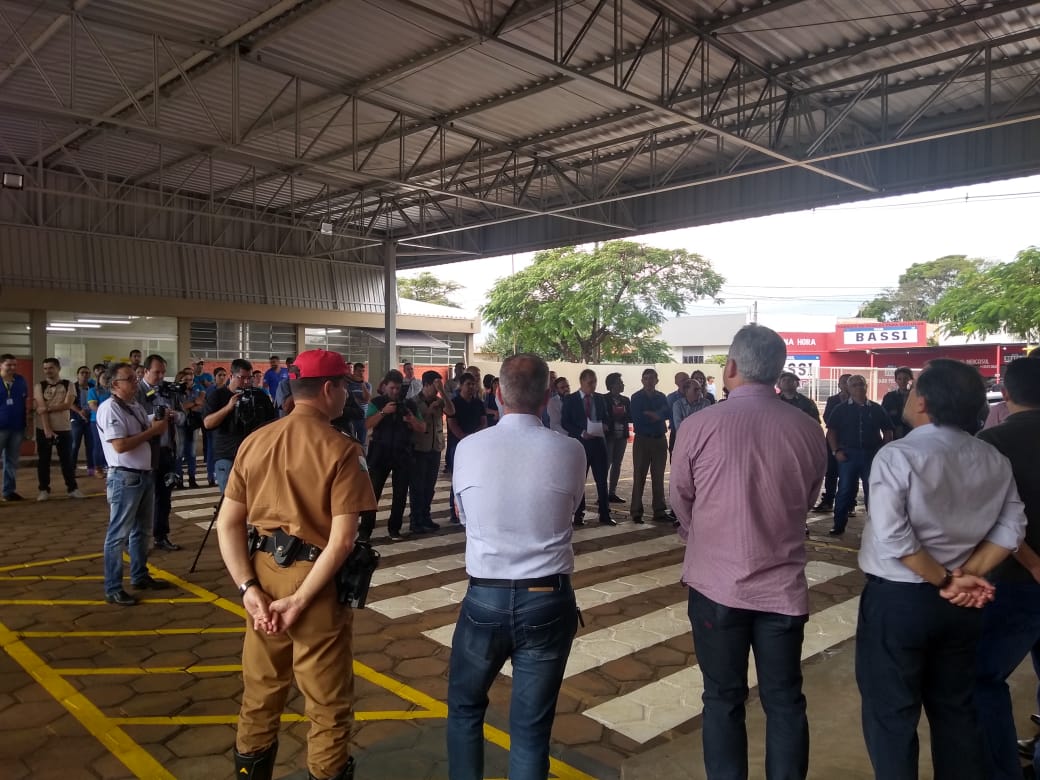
pixel 759 353
pixel 523 380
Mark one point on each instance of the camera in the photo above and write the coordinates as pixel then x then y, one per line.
pixel 168 389
pixel 170 479
pixel 248 412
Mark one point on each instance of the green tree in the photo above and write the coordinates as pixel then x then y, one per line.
pixel 919 288
pixel 427 287
pixel 601 305
pixel 1002 297
pixel 502 346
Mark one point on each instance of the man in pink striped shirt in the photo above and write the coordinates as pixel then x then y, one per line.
pixel 744 475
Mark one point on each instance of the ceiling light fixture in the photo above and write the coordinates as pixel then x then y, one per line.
pixel 84 320
pixel 72 325
pixel 13 181
pixel 326 228
pixel 59 328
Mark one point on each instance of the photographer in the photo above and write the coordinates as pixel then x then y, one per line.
pixel 433 403
pixel 161 400
pixel 233 412
pixel 391 421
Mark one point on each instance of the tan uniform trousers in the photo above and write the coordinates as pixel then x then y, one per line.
pixel 317 651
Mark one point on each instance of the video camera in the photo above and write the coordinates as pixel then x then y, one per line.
pixel 248 412
pixel 169 390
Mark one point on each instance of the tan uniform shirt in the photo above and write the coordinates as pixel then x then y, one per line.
pixel 297 474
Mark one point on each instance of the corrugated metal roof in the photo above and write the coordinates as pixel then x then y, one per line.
pixel 448 114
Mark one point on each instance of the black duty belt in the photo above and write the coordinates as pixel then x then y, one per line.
pixel 552 581
pixel 280 548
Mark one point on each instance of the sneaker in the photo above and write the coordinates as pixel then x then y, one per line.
pixel 77 493
pixel 823 508
pixel 415 530
pixel 121 598
pixel 166 544
pixel 150 583
pixel 13 497
pixel 835 532
pixel 44 495
pixel 431 526
pixel 395 536
pixel 638 521
pixel 615 499
pixel 852 512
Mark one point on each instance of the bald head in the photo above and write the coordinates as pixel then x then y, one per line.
pixel 524 384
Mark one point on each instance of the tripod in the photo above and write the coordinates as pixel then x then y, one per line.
pixel 213 520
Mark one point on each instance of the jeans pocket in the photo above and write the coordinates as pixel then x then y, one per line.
pixel 480 639
pixel 550 640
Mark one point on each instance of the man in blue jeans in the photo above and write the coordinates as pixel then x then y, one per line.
pixel 14 394
pixel 229 424
pixel 520 604
pixel 130 441
pixel 856 430
pixel 1011 624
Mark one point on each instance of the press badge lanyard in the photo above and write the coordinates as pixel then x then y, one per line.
pixel 9 386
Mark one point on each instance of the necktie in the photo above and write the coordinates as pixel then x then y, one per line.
pixel 588 406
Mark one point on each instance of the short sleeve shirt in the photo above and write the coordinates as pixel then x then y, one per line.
pixel 859 427
pixel 297 474
pixel 468 413
pixel 121 421
pixel 56 395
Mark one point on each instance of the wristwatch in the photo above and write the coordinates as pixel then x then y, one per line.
pixel 247 585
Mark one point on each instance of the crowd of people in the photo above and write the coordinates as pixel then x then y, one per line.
pixel 949 548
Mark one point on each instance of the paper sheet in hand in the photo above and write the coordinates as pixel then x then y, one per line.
pixel 595 428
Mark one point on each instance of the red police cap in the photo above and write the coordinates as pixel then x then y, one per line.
pixel 320 362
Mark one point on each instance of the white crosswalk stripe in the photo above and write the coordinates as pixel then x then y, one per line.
pixel 643 713
pixel 666 703
pixel 452 593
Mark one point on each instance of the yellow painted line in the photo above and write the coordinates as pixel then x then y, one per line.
pixel 433 707
pixel 146 632
pixel 86 602
pixel 220 720
pixel 53 561
pixel 54 577
pixel 88 671
pixel 134 757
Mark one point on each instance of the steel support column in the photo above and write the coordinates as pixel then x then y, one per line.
pixel 390 302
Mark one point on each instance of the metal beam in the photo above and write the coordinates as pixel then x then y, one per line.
pixel 41 40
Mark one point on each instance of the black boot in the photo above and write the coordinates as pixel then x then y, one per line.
pixel 256 766
pixel 346 773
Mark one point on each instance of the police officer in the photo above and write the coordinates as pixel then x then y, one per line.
pixel 392 420
pixel 302 484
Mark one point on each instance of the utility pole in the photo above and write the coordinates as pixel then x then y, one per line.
pixel 754 313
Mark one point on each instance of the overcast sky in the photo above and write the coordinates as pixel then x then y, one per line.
pixel 829 260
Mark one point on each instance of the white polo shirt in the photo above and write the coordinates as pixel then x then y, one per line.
pixel 114 421
pixel 517 486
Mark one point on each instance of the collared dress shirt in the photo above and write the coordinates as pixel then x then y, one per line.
pixel 942 490
pixel 517 486
pixel 741 500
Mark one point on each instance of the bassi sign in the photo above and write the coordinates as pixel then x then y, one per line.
pixel 896 335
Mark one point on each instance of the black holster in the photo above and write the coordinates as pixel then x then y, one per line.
pixel 355 575
pixel 253 540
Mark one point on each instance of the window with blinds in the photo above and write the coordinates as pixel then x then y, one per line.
pixel 256 341
pixel 437 356
pixel 353 344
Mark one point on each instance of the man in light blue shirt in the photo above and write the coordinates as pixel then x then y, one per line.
pixel 517 486
pixel 944 511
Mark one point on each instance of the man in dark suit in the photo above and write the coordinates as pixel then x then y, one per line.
pixel 584 418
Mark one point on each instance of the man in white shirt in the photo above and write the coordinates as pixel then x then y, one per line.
pixel 412 385
pixel 559 390
pixel 520 604
pixel 129 439
pixel 944 511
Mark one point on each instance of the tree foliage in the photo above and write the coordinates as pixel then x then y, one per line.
pixel 428 288
pixel 919 288
pixel 1002 297
pixel 601 305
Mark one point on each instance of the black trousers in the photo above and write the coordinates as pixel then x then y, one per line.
pixel 398 470
pixel 914 648
pixel 423 483
pixel 596 459
pixel 63 445
pixel 163 493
